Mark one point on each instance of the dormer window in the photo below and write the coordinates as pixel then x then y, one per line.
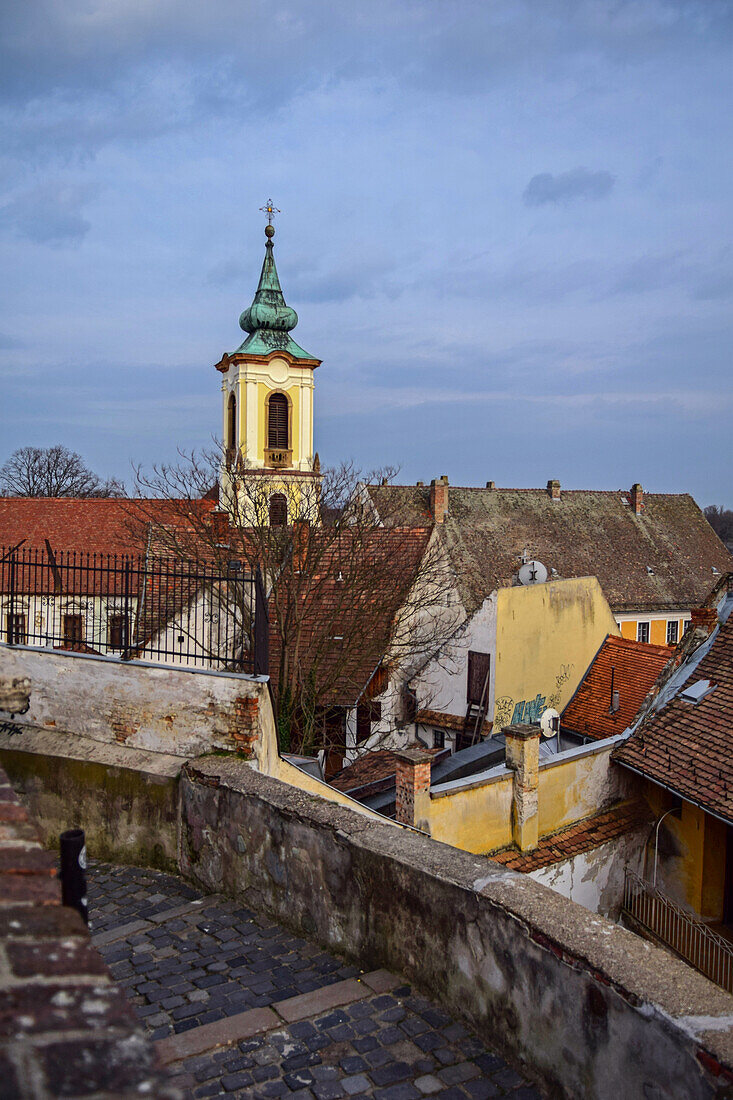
pixel 277 422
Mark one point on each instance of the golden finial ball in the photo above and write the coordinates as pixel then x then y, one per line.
pixel 269 230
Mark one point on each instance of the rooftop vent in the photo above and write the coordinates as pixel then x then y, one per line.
pixel 650 571
pixel 697 691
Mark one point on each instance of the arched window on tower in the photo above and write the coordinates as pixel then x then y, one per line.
pixel 278 510
pixel 231 429
pixel 277 422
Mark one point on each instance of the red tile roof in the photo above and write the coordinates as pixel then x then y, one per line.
pixel 586 533
pixel 687 746
pixel 583 836
pixel 87 525
pixel 636 666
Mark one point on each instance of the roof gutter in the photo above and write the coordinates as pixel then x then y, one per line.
pixel 673 790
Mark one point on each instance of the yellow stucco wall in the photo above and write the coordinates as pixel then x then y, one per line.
pixel 546 637
pixel 695 874
pixel 477 819
pixel 572 790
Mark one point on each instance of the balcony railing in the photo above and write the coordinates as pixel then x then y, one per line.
pixel 686 935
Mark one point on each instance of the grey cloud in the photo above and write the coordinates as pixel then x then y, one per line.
pixel 578 183
pixel 49 214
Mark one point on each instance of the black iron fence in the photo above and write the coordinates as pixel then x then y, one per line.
pixel 184 613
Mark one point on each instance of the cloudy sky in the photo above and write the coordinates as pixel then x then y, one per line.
pixel 505 227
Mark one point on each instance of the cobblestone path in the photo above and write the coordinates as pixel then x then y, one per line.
pixel 245 1009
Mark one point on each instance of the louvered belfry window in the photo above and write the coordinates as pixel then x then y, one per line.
pixel 278 510
pixel 277 427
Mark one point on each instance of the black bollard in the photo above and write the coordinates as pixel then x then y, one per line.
pixel 73 871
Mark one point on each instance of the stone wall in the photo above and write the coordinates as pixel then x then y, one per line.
pixel 126 800
pixel 173 710
pixel 594 1010
pixel 65 1028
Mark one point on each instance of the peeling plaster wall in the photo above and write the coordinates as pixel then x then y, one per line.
pixel 588 1008
pixel 184 712
pixel 580 782
pixel 596 879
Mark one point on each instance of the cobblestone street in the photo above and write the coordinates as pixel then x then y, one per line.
pixel 243 1008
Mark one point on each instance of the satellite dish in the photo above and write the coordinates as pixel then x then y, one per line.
pixel 532 572
pixel 549 722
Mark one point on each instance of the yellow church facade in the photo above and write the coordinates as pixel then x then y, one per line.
pixel 270 472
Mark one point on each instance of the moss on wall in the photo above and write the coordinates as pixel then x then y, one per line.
pixel 128 816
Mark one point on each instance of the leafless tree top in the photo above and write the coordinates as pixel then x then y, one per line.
pixel 53 472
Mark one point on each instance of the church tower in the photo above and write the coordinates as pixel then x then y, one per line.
pixel 267 402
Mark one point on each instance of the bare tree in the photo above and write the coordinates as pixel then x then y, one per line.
pixel 352 604
pixel 53 472
pixel 721 521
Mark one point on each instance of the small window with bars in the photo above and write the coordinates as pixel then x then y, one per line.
pixel 73 629
pixel 16 629
pixel 673 631
pixel 642 632
pixel 117 632
pixel 277 421
pixel 438 739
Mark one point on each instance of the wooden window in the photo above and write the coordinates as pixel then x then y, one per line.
pixel 277 421
pixel 73 629
pixel 16 629
pixel 117 632
pixel 278 510
pixel 438 739
pixel 366 713
pixel 673 632
pixel 642 632
pixel 478 673
pixel 232 422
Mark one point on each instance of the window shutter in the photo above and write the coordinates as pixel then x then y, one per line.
pixel 277 428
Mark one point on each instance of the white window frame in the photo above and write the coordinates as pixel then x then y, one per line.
pixel 676 624
pixel 640 623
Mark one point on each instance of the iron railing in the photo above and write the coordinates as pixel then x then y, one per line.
pixel 175 612
pixel 686 935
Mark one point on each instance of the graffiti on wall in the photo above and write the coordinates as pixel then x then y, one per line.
pixel 507 712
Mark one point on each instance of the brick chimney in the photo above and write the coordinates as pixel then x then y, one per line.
pixel 412 787
pixel 491 485
pixel 553 488
pixel 301 529
pixel 636 498
pixel 220 525
pixel 523 757
pixel 439 498
pixel 706 618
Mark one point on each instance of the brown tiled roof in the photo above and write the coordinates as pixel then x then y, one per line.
pixel 585 533
pixel 583 836
pixel 636 666
pixel 366 770
pixel 689 746
pixel 375 770
pixel 446 721
pixel 348 624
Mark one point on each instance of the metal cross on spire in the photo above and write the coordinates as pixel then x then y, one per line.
pixel 270 210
